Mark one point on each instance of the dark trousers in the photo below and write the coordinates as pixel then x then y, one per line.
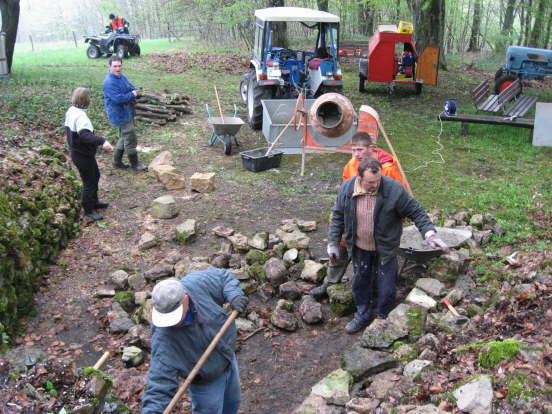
pixel 369 272
pixel 90 175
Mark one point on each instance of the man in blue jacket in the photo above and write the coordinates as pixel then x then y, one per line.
pixel 367 214
pixel 120 96
pixel 186 316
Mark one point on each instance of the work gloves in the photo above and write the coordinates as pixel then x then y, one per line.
pixel 435 241
pixel 333 253
pixel 239 303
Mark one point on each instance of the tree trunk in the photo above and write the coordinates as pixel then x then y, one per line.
pixel 279 29
pixel 507 25
pixel 548 27
pixel 528 18
pixel 322 5
pixel 536 33
pixel 429 24
pixel 10 21
pixel 366 18
pixel 475 36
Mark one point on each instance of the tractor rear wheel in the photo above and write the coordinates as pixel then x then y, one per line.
pixel 93 52
pixel 255 94
pixel 498 74
pixel 504 81
pixel 361 80
pixel 328 89
pixel 121 51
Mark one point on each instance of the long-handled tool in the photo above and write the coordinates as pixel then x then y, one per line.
pixel 201 361
pixel 219 107
pixel 394 155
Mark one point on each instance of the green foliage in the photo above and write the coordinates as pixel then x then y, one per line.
pixel 493 352
pixel 518 385
pixel 51 389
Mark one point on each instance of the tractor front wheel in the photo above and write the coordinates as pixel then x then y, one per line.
pixel 244 83
pixel 255 94
pixel 504 81
pixel 93 52
pixel 498 73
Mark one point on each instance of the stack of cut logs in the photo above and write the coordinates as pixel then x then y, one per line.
pixel 161 107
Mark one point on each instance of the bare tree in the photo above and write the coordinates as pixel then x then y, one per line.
pixel 535 39
pixel 366 17
pixel 429 24
pixel 10 20
pixel 507 25
pixel 475 36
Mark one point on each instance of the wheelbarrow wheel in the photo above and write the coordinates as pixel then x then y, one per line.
pixel 228 147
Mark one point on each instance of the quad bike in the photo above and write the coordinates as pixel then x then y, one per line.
pixel 115 43
pixel 281 73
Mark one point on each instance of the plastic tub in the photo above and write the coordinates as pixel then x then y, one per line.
pixel 255 160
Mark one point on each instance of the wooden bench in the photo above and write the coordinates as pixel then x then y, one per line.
pixel 466 119
pixel 484 101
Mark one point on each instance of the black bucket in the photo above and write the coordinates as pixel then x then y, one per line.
pixel 255 160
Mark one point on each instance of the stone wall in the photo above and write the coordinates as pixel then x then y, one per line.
pixel 39 205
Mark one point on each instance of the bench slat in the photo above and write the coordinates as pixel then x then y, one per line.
pixel 490 104
pixel 522 105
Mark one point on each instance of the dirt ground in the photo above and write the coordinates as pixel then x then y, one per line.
pixel 277 369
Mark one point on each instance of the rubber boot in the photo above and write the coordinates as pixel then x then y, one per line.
pixel 135 164
pixel 320 292
pixel 118 159
pixel 92 215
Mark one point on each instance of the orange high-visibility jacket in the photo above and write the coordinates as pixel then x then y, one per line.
pixel 117 22
pixel 389 167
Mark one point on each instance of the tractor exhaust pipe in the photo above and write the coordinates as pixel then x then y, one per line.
pixel 332 115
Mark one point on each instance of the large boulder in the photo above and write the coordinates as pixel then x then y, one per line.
pixel 161 270
pixel 335 387
pixel 163 158
pixel 294 240
pixel 169 177
pixel 239 242
pixel 476 396
pixel 119 278
pixel 147 241
pixel 420 298
pixel 341 299
pixel 203 182
pixel 310 310
pixel 137 282
pixel 282 316
pixel 185 230
pixel 415 367
pixel 361 362
pixel 432 287
pixel 259 240
pixel 276 271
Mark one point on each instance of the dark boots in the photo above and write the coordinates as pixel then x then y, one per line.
pixel 135 164
pixel 91 215
pixel 320 292
pixel 118 159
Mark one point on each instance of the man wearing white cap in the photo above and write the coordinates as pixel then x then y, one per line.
pixel 186 316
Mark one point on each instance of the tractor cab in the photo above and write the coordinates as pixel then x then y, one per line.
pixel 283 71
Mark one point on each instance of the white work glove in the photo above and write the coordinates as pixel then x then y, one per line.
pixel 333 252
pixel 436 242
pixel 107 146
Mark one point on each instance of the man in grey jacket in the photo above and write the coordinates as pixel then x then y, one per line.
pixel 368 214
pixel 186 316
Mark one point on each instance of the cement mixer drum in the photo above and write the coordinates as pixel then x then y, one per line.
pixel 332 115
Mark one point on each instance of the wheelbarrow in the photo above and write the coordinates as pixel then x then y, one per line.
pixel 224 129
pixel 416 251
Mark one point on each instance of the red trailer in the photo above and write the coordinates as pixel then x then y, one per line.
pixel 392 58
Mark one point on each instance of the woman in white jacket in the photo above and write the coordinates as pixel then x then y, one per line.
pixel 83 144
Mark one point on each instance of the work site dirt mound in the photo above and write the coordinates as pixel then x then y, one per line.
pixel 230 64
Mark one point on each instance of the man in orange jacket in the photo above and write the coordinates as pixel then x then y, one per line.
pixel 362 147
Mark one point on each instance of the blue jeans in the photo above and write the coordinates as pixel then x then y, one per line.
pixel 220 396
pixel 369 271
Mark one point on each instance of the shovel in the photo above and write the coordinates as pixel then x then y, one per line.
pixel 201 361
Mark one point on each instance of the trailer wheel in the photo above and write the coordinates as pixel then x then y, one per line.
pixel 418 88
pixel 93 52
pixel 361 80
pixel 504 81
pixel 255 94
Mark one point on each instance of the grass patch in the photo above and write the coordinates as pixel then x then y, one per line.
pixel 493 352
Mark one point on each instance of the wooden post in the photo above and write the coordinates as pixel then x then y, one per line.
pixel 32 44
pixel 75 38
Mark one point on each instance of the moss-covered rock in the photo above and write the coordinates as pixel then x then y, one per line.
pixel 256 271
pixel 39 207
pixel 126 299
pixel 256 256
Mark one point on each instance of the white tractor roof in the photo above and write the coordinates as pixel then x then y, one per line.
pixel 295 14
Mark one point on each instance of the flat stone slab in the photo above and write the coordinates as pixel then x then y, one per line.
pixel 432 287
pixel 361 362
pixel 420 298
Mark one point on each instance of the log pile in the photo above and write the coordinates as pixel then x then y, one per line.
pixel 161 107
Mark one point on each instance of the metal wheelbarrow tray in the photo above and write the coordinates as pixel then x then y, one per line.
pixel 225 130
pixel 415 249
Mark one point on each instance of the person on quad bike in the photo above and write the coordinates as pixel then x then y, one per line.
pixel 117 24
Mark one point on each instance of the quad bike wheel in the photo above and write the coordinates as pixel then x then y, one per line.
pixel 504 81
pixel 121 51
pixel 361 80
pixel 244 83
pixel 93 52
pixel 136 50
pixel 255 94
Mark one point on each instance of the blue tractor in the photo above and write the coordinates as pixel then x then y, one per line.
pixel 523 63
pixel 276 72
